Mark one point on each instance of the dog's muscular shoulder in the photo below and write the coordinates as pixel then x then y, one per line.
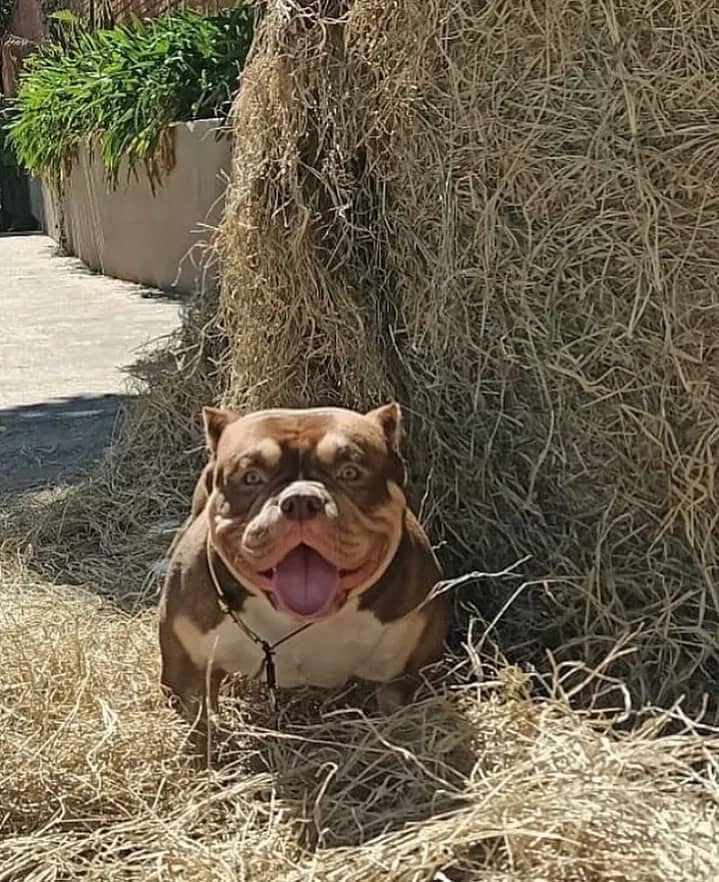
pixel 306 522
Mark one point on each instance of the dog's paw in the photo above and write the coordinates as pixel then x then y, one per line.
pixel 390 698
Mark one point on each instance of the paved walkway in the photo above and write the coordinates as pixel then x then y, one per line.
pixel 65 334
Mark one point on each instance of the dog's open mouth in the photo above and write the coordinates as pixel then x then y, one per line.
pixel 304 584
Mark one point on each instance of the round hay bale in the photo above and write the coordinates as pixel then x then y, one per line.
pixel 505 214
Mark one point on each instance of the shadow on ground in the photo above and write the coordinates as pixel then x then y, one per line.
pixel 7 234
pixel 55 441
pixel 75 267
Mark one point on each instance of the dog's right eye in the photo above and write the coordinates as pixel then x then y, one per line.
pixel 349 473
pixel 252 477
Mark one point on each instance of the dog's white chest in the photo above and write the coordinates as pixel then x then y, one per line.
pixel 351 643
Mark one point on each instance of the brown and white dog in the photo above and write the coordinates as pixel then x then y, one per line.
pixel 301 518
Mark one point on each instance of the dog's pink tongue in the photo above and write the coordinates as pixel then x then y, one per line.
pixel 304 583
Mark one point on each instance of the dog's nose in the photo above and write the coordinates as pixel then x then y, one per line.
pixel 303 503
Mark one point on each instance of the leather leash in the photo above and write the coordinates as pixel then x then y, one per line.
pixel 268 649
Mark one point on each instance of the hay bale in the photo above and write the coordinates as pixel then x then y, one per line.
pixel 479 783
pixel 504 214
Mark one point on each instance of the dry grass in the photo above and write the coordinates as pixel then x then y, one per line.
pixel 505 214
pixel 506 218
pixel 476 783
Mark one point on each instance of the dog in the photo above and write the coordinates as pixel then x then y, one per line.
pixel 300 540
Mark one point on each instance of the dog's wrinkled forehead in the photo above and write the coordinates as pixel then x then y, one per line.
pixel 298 440
pixel 295 441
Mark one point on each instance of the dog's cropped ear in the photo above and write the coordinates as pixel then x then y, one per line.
pixel 389 419
pixel 216 420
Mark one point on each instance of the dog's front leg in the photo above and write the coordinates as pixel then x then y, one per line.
pixel 191 691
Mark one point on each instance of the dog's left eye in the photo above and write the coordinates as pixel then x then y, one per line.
pixel 252 477
pixel 348 473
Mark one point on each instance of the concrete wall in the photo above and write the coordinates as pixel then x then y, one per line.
pixel 50 222
pixel 36 200
pixel 131 234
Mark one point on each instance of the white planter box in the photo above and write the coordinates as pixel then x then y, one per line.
pixel 131 234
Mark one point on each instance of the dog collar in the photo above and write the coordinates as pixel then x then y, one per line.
pixel 268 649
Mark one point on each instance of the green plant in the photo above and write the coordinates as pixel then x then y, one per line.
pixel 122 88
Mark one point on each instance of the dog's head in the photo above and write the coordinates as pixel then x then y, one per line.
pixel 306 506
